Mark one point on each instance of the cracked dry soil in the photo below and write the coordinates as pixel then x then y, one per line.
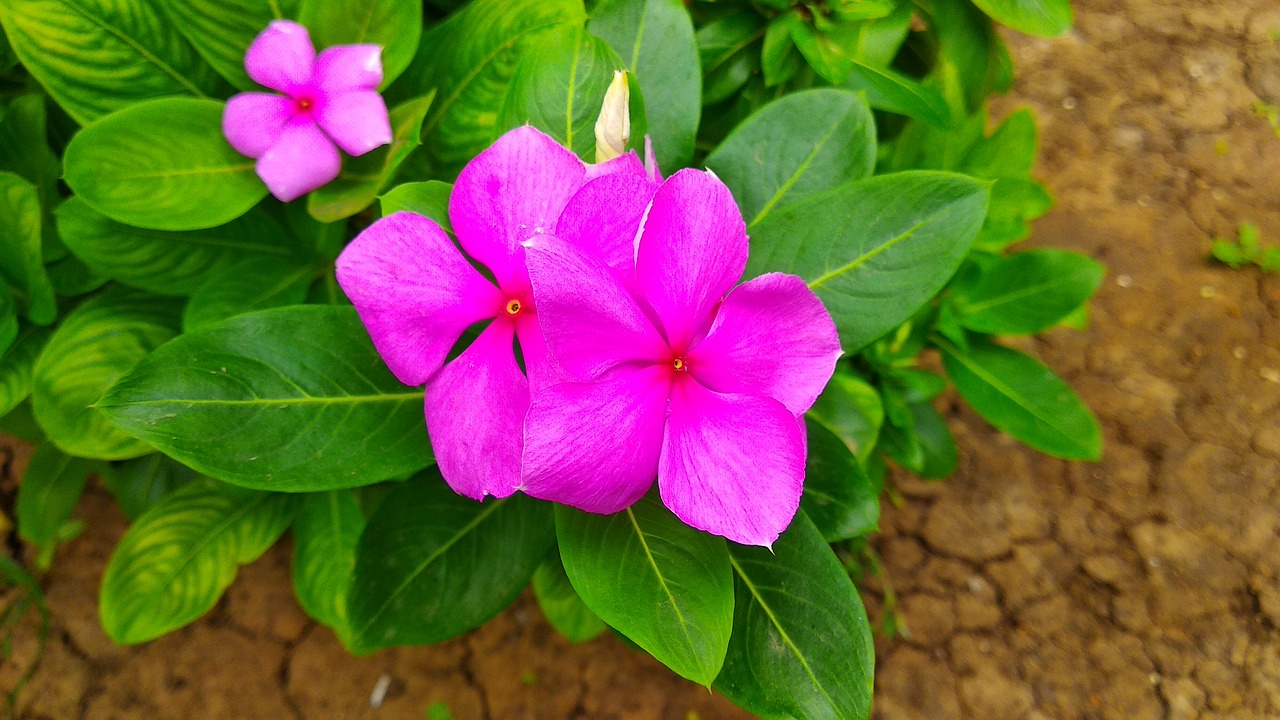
pixel 1143 586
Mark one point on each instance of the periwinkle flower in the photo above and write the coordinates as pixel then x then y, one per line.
pixel 674 372
pixel 329 101
pixel 417 294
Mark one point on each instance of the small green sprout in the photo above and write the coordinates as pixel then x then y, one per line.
pixel 1246 250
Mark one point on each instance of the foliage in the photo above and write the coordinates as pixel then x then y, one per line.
pixel 180 334
pixel 1247 250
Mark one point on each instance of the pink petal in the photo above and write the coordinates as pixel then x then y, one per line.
pixel 510 192
pixel 414 291
pixel 772 336
pixel 604 217
pixel 475 416
pixel 651 168
pixel 349 67
pixel 595 446
pixel 281 57
pixel 692 251
pixel 300 161
pixel 732 465
pixel 356 120
pixel 589 321
pixel 628 163
pixel 253 121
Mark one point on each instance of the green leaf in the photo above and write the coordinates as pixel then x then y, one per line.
pixel 874 250
pixel 24 146
pixel 795 148
pixel 892 91
pixel 362 178
pixel 71 277
pixel 8 318
pixel 1009 152
pixel 1022 397
pixel 879 40
pixel 470 58
pixel 727 53
pixel 1025 293
pixel 561 605
pixel 558 87
pixel 838 496
pixel 94 346
pixel 21 247
pixel 325 534
pixel 166 262
pixel 779 59
pixel 48 494
pixel 254 284
pixel 1014 202
pixel 222 30
pixel 663 584
pixel 429 199
pixel 17 365
pixel 174 563
pixel 655 40
pixel 1042 18
pixel 432 564
pixel 162 165
pixel 801 645
pixel 936 443
pixel 294 399
pixel 142 482
pixel 98 56
pixel 851 409
pixel 396 25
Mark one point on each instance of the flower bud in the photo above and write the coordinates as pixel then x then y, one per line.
pixel 613 128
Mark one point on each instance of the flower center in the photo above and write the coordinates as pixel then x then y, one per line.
pixel 513 306
pixel 680 365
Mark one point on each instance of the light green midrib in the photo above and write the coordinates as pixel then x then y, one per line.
pixel 786 638
pixel 635 48
pixel 305 400
pixel 818 282
pixel 1018 294
pixel 444 547
pixel 222 170
pixel 146 54
pixel 573 90
pixel 653 565
pixel 795 177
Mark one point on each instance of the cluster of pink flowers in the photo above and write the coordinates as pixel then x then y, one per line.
pixel 617 347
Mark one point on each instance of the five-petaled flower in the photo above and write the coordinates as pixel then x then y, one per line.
pixel 417 294
pixel 674 372
pixel 329 102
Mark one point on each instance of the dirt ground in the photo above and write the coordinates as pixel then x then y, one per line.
pixel 1144 586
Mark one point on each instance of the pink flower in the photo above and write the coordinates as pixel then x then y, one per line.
pixel 329 102
pixel 417 294
pixel 675 372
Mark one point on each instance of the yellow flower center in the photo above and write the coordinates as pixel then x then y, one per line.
pixel 513 307
pixel 679 365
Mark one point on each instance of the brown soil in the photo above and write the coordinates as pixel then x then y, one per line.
pixel 1144 586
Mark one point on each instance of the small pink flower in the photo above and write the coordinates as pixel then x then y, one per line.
pixel 329 102
pixel 676 373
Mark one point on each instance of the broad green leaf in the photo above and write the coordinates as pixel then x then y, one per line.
pixel 17 365
pixel 174 563
pixel 936 442
pixel 874 250
pixel 1042 18
pixel 1022 397
pixel 469 59
pixel 362 178
pixel 851 409
pixel 561 605
pixel 396 25
pixel 558 87
pixel 94 346
pixel 139 483
pixel 21 247
pixel 661 583
pixel 838 496
pixel 24 146
pixel 968 63
pixel 794 148
pixel 879 40
pixel 1025 293
pixel 727 53
pixel 801 645
pixel 779 58
pixel 1014 203
pixel 889 90
pixel 253 284
pixel 98 56
pixel 71 277
pixel 1009 152
pixel 20 422
pixel 291 399
pixel 8 318
pixel 654 38
pixel 325 534
pixel 222 30
pixel 429 199
pixel 48 494
pixel 432 564
pixel 161 261
pixel 162 165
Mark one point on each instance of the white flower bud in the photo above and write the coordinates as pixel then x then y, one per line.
pixel 613 127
